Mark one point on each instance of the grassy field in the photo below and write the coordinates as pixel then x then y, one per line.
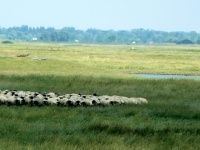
pixel 170 120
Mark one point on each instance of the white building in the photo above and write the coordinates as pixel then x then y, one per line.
pixel 34 39
pixel 77 41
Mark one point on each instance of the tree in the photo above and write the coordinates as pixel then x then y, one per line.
pixel 94 33
pixel 45 36
pixel 12 35
pixel 111 36
pixel 24 28
pixel 198 41
pixel 64 36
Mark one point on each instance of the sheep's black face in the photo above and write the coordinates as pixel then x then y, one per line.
pixel 58 103
pixel 45 102
pixel 70 103
pixel 94 102
pixel 23 102
pixel 84 104
pixel 78 103
pixel 36 103
pixel 57 94
pixel 95 94
pixel 112 102
pixel 18 102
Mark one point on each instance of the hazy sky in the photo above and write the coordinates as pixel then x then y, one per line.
pixel 165 15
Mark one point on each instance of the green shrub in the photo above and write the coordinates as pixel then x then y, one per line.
pixel 7 42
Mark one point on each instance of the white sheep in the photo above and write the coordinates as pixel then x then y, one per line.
pixel 38 100
pixel 86 102
pixel 21 94
pixel 51 94
pixel 28 100
pixel 62 101
pixel 105 102
pixel 3 99
pixel 73 102
pixel 142 100
pixel 116 99
pixel 8 94
pixel 132 100
pixel 19 101
pixel 11 100
pixel 52 101
pixel 95 100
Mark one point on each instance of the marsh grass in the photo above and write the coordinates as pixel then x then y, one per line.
pixel 97 128
pixel 170 120
pixel 100 59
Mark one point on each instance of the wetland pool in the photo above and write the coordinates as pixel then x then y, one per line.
pixel 161 76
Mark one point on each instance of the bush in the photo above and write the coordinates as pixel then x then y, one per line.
pixel 7 42
pixel 186 41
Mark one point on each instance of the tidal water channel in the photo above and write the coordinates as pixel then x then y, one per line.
pixel 159 76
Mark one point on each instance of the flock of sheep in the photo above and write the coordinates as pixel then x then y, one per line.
pixel 14 97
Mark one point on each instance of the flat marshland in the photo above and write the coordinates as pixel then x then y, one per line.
pixel 171 119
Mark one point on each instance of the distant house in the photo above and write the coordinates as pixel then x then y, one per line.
pixel 150 42
pixel 133 42
pixel 77 41
pixel 34 39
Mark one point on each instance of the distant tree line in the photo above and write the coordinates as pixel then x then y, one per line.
pixel 70 34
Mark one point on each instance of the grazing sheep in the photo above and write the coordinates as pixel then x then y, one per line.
pixel 132 100
pixel 95 100
pixel 14 97
pixel 51 94
pixel 104 102
pixel 8 94
pixel 86 102
pixel 19 101
pixel 21 94
pixel 11 100
pixel 67 96
pixel 28 100
pixel 52 101
pixel 125 100
pixel 142 100
pixel 75 100
pixel 116 100
pixel 62 101
pixel 38 100
pixel 3 99
pixel 71 102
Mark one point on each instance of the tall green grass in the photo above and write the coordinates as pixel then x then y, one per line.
pixel 117 127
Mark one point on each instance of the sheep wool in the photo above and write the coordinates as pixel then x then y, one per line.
pixel 14 97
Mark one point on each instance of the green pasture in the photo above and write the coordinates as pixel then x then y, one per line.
pixel 171 119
